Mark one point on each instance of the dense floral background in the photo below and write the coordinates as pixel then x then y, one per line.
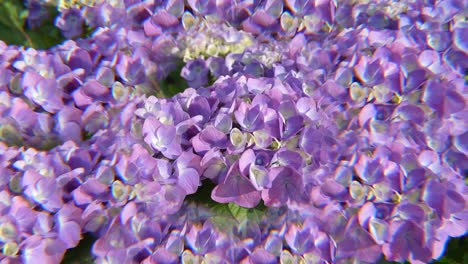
pixel 227 131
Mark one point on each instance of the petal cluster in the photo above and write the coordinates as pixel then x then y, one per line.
pixel 310 131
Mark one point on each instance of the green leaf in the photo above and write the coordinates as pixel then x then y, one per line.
pixel 12 19
pixel 221 210
pixel 13 11
pixel 13 30
pixel 243 215
pixel 239 213
pixel 10 35
pixel 446 261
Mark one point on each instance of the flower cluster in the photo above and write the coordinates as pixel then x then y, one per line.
pixel 329 133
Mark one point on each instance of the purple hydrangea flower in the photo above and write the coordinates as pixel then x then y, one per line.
pixel 71 23
pixel 130 70
pixel 287 187
pixel 162 138
pixel 236 188
pixel 45 93
pixel 209 138
pixel 407 242
pixel 249 117
pixel 196 73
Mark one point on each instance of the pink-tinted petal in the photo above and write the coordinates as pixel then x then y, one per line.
pixel 366 212
pixel 434 95
pixel 128 212
pixel 368 112
pixel 189 180
pixel 70 234
pixel 165 19
pixel 246 160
